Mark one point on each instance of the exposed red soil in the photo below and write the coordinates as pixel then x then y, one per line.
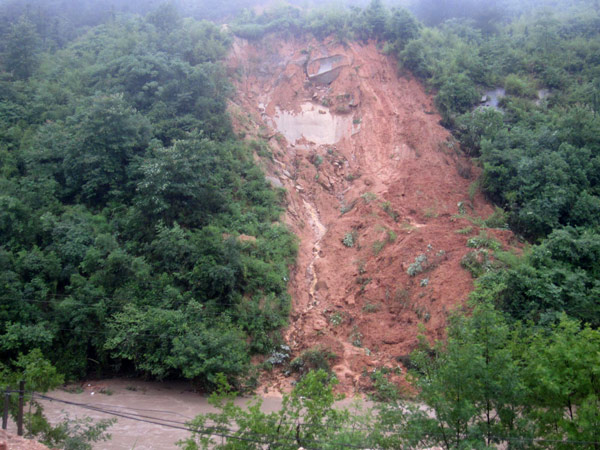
pixel 359 301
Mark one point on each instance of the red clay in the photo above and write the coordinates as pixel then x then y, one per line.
pixel 359 301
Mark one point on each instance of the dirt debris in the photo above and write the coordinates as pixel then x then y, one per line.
pixel 10 441
pixel 372 183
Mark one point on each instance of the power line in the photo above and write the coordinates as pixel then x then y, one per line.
pixel 219 430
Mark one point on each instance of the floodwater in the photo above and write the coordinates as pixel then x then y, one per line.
pixel 170 402
pixel 174 403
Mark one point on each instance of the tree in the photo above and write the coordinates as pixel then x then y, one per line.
pixel 472 383
pixel 106 134
pixel 307 418
pixel 21 56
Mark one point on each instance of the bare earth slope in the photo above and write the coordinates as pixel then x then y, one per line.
pixel 363 158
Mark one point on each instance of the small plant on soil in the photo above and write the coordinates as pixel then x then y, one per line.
pixel 368 197
pixel 356 337
pixel 387 207
pixel 485 241
pixel 317 160
pixel 401 295
pixel 371 307
pixel 361 266
pixel 423 314
pixel 377 247
pixel 498 219
pixel 464 231
pixel 350 239
pixel 347 207
pixel 336 319
pixel 418 266
pixel 279 356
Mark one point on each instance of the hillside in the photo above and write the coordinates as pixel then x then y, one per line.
pixel 373 181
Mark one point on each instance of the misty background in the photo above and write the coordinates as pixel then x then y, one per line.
pixel 62 20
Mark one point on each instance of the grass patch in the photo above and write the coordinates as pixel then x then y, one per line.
pixel 484 241
pixel 371 307
pixel 368 197
pixel 465 231
pixel 387 207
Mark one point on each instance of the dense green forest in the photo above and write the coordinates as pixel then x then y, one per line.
pixel 123 193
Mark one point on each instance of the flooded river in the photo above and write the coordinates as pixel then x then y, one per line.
pixel 170 402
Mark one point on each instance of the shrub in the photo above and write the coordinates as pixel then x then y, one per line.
pixel 498 219
pixel 477 262
pixel 378 246
pixel 350 239
pixel 356 337
pixel 387 207
pixel 337 318
pixel 316 358
pixel 519 87
pixel 466 230
pixel 483 240
pixel 418 266
pixel 371 307
pixel 368 197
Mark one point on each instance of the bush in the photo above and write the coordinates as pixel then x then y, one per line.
pixel 483 240
pixel 316 358
pixel 350 239
pixel 418 266
pixel 519 87
pixel 476 262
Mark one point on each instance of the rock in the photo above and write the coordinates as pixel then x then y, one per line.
pixel 391 340
pixel 274 181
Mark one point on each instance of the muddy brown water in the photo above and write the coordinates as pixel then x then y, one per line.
pixel 167 402
pixel 171 402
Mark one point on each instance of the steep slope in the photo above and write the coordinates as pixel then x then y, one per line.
pixel 373 182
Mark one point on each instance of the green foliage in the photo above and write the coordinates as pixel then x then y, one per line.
pixel 368 197
pixel 558 275
pixel 418 266
pixel 371 307
pixel 483 240
pixel 307 418
pixel 350 238
pixel 477 262
pixel 456 96
pixel 519 87
pixel 316 358
pixel 22 49
pixel 123 195
pixel 387 207
pixel 472 383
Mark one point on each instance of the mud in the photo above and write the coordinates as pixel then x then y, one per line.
pixel 174 403
pixel 393 183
